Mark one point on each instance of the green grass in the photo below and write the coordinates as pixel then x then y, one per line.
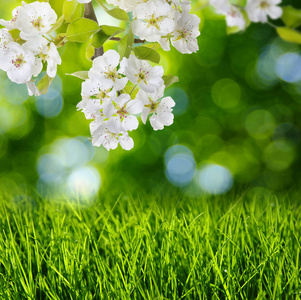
pixel 151 247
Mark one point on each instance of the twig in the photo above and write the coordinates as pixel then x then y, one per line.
pixel 136 41
pixel 90 14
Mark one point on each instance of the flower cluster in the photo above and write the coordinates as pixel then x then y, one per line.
pixel 164 21
pixel 24 44
pixel 256 11
pixel 105 99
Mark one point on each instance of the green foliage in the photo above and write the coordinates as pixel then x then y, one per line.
pixel 72 10
pixel 105 33
pixel 57 24
pixel 155 248
pixel 146 53
pixel 170 79
pixel 80 74
pixel 289 35
pixel 43 84
pixel 130 42
pixel 241 3
pixel 116 13
pixel 15 33
pixel 291 16
pixel 122 46
pixel 81 30
pixel 234 108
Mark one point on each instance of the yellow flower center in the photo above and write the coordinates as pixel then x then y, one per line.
pixel 37 23
pixel 152 105
pixel 264 4
pixel 19 61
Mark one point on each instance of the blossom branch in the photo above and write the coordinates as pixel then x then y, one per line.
pixel 89 13
pixel 136 41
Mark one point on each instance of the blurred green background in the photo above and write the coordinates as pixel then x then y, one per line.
pixel 237 121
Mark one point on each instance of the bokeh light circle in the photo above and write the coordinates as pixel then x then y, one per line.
pixel 279 155
pixel 50 168
pixel 288 67
pixel 226 93
pixel 260 124
pixel 84 181
pixel 180 98
pixel 215 179
pixel 180 165
pixel 72 151
pixel 50 105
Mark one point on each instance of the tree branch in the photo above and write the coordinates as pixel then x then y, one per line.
pixel 90 14
pixel 136 41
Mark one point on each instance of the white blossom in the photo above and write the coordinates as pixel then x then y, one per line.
pixel 32 89
pixel 11 24
pixel 97 88
pixel 106 67
pixel 186 33
pixel 53 59
pixel 180 5
pixel 130 5
pixel 121 113
pixel 95 93
pixel 140 72
pixel 5 39
pixel 35 19
pixel 161 111
pixel 260 10
pixel 127 5
pixel 152 20
pixel 18 63
pixel 110 140
pixel 233 14
pixel 83 1
pixel 91 107
pixel 44 52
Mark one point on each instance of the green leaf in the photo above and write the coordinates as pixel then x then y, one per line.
pixel 81 30
pixel 130 42
pixel 72 10
pixel 57 24
pixel 170 79
pixel 90 50
pixel 146 53
pixel 233 30
pixel 15 33
pixel 122 46
pixel 291 16
pixel 111 30
pixel 289 35
pixel 241 3
pixel 118 13
pixel 80 74
pixel 154 46
pixel 43 84
pixel 105 33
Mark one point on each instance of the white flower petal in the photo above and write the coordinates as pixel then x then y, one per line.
pixel 144 114
pixel 130 123
pixel 134 107
pixel 126 142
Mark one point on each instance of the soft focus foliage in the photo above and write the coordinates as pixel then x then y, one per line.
pixel 237 119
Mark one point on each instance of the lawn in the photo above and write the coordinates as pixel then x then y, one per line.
pixel 240 246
